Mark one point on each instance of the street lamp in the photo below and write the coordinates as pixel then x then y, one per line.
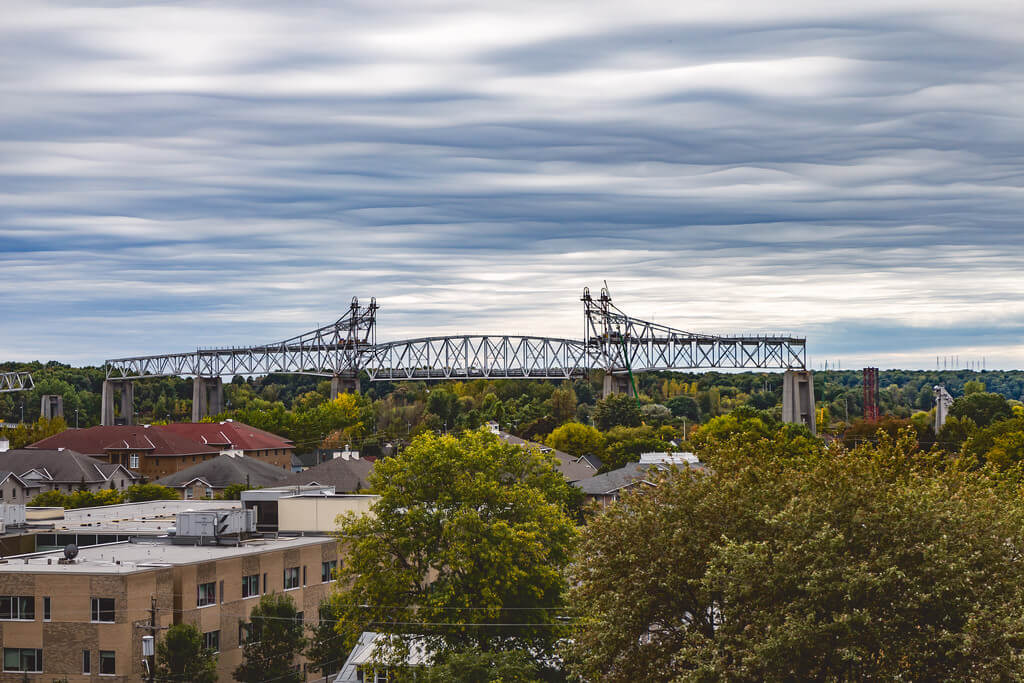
pixel 76 418
pixel 22 412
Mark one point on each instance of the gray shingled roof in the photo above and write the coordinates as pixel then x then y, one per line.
pixel 63 466
pixel 617 479
pixel 346 476
pixel 225 470
pixel 572 468
pixel 4 474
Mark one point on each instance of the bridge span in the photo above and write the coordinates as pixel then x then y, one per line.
pixel 347 350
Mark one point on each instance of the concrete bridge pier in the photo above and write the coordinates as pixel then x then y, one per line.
pixel 344 385
pixel 51 406
pixel 108 414
pixel 615 384
pixel 943 402
pixel 207 397
pixel 798 399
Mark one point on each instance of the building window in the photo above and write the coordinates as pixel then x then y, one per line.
pixel 206 594
pixel 133 463
pixel 23 659
pixel 107 663
pixel 250 585
pixel 327 570
pixel 247 633
pixel 46 608
pixel 222 592
pixel 300 617
pixel 17 607
pixel 264 582
pixel 209 492
pixel 86 662
pixel 303 575
pixel 103 609
pixel 188 493
pixel 211 641
pixel 291 578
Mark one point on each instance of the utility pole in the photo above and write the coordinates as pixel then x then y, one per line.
pixel 152 632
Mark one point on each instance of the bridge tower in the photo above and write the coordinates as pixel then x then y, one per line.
pixel 207 397
pixel 112 390
pixel 623 346
pixel 51 406
pixel 943 402
pixel 798 399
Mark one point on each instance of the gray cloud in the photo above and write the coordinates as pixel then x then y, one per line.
pixel 192 174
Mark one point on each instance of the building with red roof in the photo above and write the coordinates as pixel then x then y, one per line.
pixel 156 451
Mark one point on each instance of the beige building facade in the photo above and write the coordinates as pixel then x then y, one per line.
pixel 86 619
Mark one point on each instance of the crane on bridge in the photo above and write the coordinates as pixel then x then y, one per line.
pixel 613 342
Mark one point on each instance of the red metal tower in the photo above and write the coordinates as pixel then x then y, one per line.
pixel 871 394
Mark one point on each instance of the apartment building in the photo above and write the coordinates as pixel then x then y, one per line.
pixel 78 619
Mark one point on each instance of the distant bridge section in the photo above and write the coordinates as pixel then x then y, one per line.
pixel 613 342
pixel 15 381
pixel 478 357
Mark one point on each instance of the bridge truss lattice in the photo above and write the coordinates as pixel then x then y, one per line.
pixel 613 342
pixel 15 381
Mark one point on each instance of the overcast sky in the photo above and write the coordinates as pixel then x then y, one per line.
pixel 229 173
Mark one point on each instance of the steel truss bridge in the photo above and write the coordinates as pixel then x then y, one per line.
pixel 613 342
pixel 15 381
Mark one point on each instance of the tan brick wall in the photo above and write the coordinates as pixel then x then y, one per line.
pixel 70 632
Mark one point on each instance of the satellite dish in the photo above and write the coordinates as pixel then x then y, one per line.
pixel 71 551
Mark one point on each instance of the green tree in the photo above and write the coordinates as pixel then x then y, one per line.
pixel 576 439
pixel 468 532
pixel 620 453
pixel 234 491
pixel 27 434
pixel 479 666
pixel 655 414
pixel 563 404
pixel 614 411
pixel 983 408
pixel 275 640
pixel 876 564
pixel 138 493
pixel 89 499
pixel 49 499
pixel 180 656
pixel 683 406
pixel 973 386
pixel 325 652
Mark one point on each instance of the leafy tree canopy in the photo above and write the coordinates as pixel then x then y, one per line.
pixel 983 408
pixel 276 639
pixel 180 656
pixel 875 564
pixel 468 531
pixel 616 410
pixel 576 439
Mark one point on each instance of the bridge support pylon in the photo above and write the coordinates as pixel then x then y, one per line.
pixel 798 399
pixel 344 385
pixel 207 397
pixel 108 416
pixel 615 384
pixel 51 406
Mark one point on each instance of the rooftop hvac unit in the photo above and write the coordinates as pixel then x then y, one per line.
pixel 12 515
pixel 215 523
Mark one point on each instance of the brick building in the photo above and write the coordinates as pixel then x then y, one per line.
pixel 156 451
pixel 79 620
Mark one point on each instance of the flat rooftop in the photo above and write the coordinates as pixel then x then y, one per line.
pixel 128 558
pixel 150 518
